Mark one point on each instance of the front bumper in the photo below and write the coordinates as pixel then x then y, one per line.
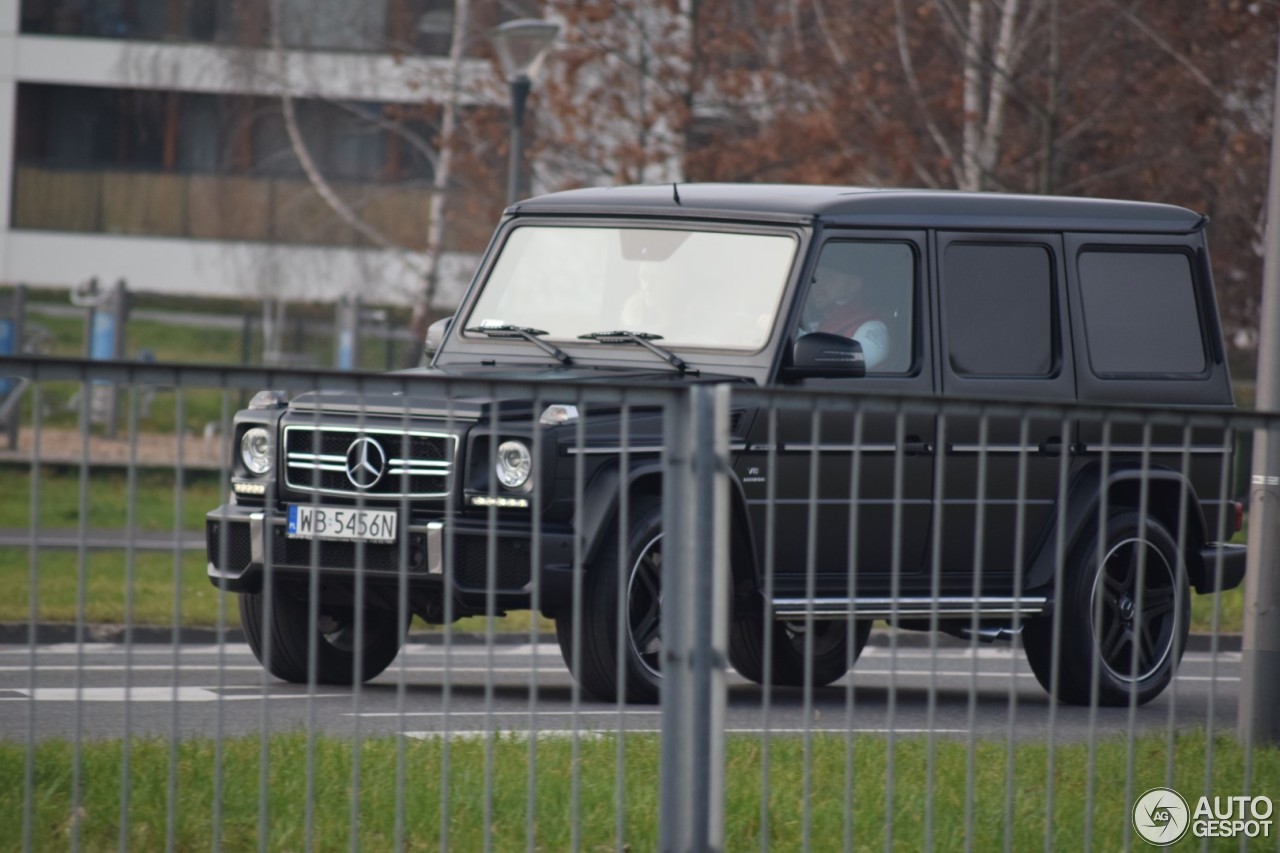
pixel 244 544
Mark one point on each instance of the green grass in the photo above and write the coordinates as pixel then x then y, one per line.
pixel 1231 611
pixel 105 581
pixel 108 498
pixel 426 781
pixel 188 344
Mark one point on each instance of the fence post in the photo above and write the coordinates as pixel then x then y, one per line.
pixel 11 343
pixel 1258 723
pixel 695 621
pixel 347 340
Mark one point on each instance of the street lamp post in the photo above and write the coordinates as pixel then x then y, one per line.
pixel 521 45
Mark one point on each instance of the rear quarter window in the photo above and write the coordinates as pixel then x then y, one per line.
pixel 1141 315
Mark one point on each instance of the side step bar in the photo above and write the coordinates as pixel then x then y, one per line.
pixel 947 607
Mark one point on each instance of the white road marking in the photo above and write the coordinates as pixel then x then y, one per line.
pixel 113 667
pixel 145 694
pixel 598 734
pixel 541 713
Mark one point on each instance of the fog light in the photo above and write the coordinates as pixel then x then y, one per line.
pixel 506 503
pixel 249 488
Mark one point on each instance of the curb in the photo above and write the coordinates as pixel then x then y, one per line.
pixel 48 633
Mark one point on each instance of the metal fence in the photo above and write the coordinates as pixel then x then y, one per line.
pixel 1000 668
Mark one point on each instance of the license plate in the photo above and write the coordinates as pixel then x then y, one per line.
pixel 321 522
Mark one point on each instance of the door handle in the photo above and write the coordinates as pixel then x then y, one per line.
pixel 1051 446
pixel 913 446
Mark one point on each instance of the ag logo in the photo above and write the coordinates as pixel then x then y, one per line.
pixel 1161 816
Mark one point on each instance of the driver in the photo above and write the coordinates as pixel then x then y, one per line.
pixel 838 304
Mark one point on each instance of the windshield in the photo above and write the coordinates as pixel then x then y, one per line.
pixel 692 288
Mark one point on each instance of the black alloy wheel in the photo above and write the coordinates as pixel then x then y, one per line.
pixel 1124 617
pixel 640 577
pixel 831 649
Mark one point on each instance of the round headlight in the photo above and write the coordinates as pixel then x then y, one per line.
pixel 255 450
pixel 514 464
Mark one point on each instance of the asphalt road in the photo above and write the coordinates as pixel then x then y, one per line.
pixel 104 690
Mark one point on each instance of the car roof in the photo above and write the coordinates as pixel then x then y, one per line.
pixel 865 206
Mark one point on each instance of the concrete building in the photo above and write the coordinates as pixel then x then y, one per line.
pixel 144 140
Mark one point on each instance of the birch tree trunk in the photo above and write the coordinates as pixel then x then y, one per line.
pixel 440 185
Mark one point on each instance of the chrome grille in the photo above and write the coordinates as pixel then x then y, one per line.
pixel 418 464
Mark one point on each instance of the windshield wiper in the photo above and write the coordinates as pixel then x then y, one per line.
pixel 644 339
pixel 526 333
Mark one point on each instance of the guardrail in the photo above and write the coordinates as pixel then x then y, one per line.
pixel 999 669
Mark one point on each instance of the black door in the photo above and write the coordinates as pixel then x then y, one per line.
pixel 867 286
pixel 1004 334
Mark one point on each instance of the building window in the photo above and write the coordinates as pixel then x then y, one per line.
pixel 382 26
pixel 181 164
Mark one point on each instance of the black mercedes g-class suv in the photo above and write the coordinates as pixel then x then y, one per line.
pixel 938 295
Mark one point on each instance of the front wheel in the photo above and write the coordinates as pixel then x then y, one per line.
pixel 641 651
pixel 1125 618
pixel 831 649
pixel 287 634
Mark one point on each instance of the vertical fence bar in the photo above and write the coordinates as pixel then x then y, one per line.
pixel 175 734
pixel 624 525
pixel 695 622
pixel 935 587
pixel 1259 688
pixel 131 528
pixel 82 581
pixel 979 555
pixel 578 603
pixel 855 479
pixel 675 788
pixel 770 568
pixel 33 610
pixel 810 593
pixel 535 610
pixel 224 538
pixel 709 573
pixel 1019 548
pixel 895 593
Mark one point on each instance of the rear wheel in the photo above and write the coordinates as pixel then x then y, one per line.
pixel 1125 618
pixel 288 635
pixel 830 649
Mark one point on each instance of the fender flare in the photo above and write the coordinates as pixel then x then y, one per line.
pixel 599 514
pixel 1084 494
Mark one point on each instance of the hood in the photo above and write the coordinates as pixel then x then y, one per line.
pixel 434 400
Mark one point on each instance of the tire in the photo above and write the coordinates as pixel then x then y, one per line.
pixel 335 646
pixel 597 670
pixel 830 649
pixel 1110 591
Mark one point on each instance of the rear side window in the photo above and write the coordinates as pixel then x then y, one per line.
pixel 1140 313
pixel 998 308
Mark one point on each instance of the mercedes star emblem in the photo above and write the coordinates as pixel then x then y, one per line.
pixel 366 463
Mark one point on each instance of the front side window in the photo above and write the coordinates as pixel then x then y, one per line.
pixel 691 288
pixel 865 291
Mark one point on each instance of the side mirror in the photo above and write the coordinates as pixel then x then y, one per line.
pixel 824 354
pixel 435 336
